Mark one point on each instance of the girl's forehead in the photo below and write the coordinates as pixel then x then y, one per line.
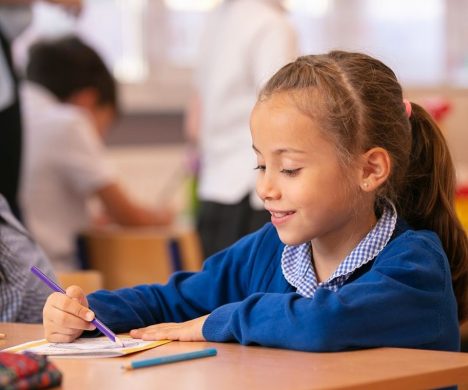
pixel 277 101
pixel 300 97
pixel 277 126
pixel 280 111
pixel 303 104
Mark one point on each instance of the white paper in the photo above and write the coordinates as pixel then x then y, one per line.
pixel 87 347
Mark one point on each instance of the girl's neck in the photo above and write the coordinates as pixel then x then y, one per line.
pixel 329 251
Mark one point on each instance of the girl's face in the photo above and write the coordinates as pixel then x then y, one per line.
pixel 300 179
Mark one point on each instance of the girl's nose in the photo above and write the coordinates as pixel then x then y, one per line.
pixel 266 187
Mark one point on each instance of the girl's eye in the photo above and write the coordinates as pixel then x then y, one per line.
pixel 291 172
pixel 260 167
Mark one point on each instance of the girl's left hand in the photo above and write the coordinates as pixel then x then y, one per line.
pixel 183 331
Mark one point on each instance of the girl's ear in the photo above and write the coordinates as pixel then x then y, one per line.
pixel 375 169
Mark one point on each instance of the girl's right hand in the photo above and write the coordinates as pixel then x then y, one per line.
pixel 65 317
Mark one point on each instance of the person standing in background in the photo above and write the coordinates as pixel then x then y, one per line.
pixel 15 16
pixel 245 42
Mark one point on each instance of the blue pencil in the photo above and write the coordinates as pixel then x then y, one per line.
pixel 54 286
pixel 170 359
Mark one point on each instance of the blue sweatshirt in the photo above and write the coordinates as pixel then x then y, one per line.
pixel 403 298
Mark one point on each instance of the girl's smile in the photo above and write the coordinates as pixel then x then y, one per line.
pixel 280 217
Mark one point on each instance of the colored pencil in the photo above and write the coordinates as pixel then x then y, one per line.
pixel 54 286
pixel 156 361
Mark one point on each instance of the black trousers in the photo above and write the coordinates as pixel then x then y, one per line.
pixel 220 225
pixel 10 141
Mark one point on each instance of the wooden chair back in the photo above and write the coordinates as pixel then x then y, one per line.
pixel 128 257
pixel 88 280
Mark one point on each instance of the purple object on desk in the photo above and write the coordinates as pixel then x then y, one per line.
pixel 54 286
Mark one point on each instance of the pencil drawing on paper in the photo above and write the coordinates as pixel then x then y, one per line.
pixel 95 344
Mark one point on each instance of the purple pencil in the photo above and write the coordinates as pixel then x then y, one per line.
pixel 54 286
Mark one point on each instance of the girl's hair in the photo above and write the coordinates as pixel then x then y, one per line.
pixel 358 103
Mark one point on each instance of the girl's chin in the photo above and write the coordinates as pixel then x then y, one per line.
pixel 290 240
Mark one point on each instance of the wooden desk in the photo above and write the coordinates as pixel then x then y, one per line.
pixel 238 367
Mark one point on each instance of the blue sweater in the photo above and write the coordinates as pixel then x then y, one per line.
pixel 403 298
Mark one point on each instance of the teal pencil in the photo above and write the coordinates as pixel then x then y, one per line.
pixel 170 359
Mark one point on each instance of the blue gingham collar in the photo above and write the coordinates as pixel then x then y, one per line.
pixel 296 260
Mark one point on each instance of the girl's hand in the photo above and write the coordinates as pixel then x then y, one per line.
pixel 65 317
pixel 183 331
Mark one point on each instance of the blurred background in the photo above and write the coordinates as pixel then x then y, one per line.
pixel 152 46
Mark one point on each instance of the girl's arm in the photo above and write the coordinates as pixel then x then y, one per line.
pixel 404 300
pixel 225 278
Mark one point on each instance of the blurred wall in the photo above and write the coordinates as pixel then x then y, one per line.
pixel 455 125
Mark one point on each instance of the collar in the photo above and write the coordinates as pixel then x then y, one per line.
pixel 296 260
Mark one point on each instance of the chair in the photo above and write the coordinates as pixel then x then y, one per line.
pixel 88 280
pixel 132 256
pixel 190 250
pixel 464 336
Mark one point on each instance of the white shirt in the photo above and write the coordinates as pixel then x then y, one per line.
pixel 63 166
pixel 245 43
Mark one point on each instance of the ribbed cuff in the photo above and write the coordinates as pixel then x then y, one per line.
pixel 217 326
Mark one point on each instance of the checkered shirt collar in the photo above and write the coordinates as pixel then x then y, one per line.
pixel 296 260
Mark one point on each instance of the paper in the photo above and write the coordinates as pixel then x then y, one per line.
pixel 88 347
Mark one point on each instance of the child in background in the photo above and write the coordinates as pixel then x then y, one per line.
pixel 22 295
pixel 69 102
pixel 364 249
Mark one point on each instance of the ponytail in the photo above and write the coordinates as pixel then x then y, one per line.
pixel 359 114
pixel 427 200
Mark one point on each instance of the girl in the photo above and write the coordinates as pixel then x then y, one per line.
pixel 364 249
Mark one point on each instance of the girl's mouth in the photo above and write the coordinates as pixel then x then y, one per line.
pixel 280 217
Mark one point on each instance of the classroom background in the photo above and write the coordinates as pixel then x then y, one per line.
pixel 152 47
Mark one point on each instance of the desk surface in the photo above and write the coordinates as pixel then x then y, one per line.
pixel 239 367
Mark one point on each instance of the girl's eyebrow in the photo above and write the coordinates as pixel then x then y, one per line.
pixel 282 150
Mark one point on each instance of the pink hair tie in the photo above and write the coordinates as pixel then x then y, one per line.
pixel 407 107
